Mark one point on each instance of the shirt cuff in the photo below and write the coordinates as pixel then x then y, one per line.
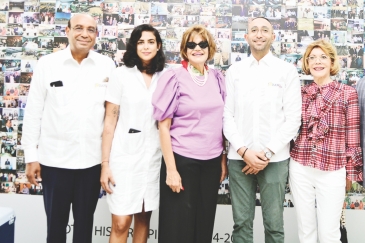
pixel 236 142
pixel 31 155
pixel 275 146
pixel 111 99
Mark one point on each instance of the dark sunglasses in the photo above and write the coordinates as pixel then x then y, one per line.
pixel 202 45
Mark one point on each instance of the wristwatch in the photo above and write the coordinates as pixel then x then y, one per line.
pixel 268 153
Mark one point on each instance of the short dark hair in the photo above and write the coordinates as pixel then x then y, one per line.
pixel 131 57
pixel 250 22
pixel 261 17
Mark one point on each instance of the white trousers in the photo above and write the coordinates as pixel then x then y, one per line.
pixel 326 189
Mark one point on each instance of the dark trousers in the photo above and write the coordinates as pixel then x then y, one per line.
pixel 63 187
pixel 189 216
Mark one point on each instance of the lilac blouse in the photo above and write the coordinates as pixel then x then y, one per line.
pixel 196 112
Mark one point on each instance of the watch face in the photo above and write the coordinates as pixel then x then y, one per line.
pixel 268 155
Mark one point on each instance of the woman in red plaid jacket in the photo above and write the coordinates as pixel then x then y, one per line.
pixel 327 153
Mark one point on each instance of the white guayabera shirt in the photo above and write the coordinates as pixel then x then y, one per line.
pixel 63 125
pixel 263 106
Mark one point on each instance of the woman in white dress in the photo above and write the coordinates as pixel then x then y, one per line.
pixel 131 152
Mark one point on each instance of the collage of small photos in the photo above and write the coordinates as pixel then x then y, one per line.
pixel 30 29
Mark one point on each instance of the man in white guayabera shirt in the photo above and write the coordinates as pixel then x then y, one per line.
pixel 62 130
pixel 261 115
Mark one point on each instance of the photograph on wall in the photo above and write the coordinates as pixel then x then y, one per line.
pixel 32 29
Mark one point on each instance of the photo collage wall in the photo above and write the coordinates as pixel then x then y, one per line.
pixel 30 29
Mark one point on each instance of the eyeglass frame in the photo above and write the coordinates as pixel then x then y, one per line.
pixel 79 29
pixel 264 31
pixel 315 58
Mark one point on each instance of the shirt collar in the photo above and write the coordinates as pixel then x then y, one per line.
pixel 265 60
pixel 67 56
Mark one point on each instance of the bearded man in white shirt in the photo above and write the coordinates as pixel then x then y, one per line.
pixel 261 115
pixel 62 130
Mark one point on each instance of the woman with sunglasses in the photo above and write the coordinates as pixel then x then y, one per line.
pixel 188 103
pixel 327 154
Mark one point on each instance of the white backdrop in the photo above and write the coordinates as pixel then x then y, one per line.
pixel 30 226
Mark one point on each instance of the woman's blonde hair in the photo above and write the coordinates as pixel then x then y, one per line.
pixel 190 34
pixel 328 49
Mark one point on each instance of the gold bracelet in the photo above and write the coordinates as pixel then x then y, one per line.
pixel 105 161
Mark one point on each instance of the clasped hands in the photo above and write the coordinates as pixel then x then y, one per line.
pixel 255 161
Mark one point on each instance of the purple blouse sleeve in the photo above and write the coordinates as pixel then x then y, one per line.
pixel 221 83
pixel 165 99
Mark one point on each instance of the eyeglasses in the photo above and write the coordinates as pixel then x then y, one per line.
pixel 202 45
pixel 322 58
pixel 80 30
pixel 263 31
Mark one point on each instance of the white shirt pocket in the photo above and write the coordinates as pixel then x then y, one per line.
pixel 133 142
pixel 57 96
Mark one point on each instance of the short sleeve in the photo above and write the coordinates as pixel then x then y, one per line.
pixel 221 83
pixel 115 87
pixel 165 99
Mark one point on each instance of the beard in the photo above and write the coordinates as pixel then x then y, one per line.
pixel 265 46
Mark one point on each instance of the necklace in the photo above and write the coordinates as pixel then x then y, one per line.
pixel 196 76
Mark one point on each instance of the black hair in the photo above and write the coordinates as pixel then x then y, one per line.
pixel 262 18
pixel 131 57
